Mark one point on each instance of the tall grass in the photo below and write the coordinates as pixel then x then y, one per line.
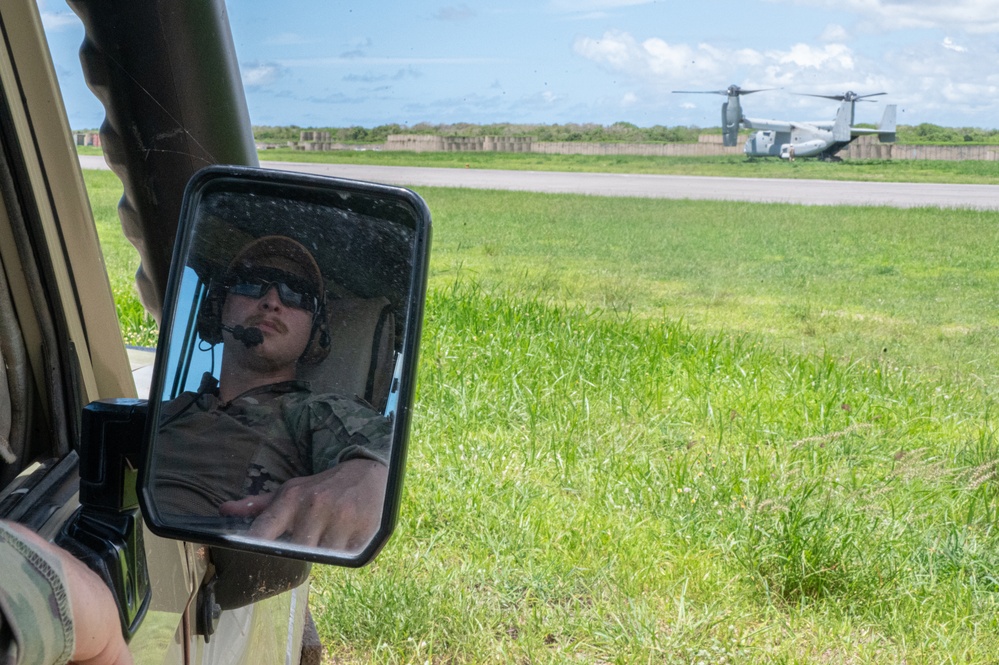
pixel 914 288
pixel 689 432
pixel 121 259
pixel 585 488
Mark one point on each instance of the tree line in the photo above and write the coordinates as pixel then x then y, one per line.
pixel 619 132
pixel 622 132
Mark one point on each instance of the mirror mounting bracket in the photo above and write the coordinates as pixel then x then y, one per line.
pixel 106 532
pixel 208 610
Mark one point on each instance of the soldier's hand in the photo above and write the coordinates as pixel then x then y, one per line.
pixel 339 508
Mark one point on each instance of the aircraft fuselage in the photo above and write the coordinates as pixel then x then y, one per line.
pixel 779 138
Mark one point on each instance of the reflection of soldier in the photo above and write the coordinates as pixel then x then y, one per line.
pixel 258 443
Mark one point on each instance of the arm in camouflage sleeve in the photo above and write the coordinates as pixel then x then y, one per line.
pixel 340 506
pixel 52 607
pixel 37 626
pixel 342 429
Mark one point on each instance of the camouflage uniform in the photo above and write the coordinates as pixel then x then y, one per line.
pixel 35 623
pixel 256 442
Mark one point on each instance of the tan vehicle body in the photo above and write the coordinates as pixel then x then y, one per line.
pixel 77 289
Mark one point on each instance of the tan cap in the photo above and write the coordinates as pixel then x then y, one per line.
pixel 282 253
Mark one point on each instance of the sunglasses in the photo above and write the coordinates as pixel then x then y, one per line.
pixel 291 290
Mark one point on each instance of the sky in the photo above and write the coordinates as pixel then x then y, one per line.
pixel 317 63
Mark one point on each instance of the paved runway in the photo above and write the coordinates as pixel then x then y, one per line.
pixel 763 190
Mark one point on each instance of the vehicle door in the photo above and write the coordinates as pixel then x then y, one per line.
pixel 62 349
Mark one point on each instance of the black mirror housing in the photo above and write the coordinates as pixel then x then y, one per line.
pixel 286 365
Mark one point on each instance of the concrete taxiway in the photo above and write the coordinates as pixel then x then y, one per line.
pixel 759 190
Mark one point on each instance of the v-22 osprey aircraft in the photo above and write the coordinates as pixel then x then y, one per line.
pixel 790 139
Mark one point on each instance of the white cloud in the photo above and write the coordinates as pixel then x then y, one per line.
pixel 660 64
pixel 944 81
pixel 836 56
pixel 455 13
pixel 971 16
pixel 834 33
pixel 594 5
pixel 55 21
pixel 949 44
pixel 747 57
pixel 629 99
pixel 260 74
pixel 654 68
pixel 357 48
pixel 350 60
pixel 621 52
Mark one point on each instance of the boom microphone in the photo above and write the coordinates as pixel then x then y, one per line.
pixel 248 336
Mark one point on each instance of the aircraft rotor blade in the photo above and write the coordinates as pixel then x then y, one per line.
pixel 863 98
pixel 749 92
pixel 838 98
pixel 848 96
pixel 731 91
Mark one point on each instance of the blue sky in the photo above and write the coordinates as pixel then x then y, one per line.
pixel 323 63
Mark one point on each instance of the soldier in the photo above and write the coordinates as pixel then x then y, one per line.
pixel 258 443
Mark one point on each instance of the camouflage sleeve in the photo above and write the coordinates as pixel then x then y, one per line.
pixel 36 627
pixel 341 429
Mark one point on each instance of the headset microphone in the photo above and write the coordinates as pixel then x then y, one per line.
pixel 248 336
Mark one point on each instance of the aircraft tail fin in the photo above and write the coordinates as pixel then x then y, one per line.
pixel 886 129
pixel 844 120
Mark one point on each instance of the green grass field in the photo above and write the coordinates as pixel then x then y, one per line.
pixel 689 432
pixel 973 172
pixel 137 327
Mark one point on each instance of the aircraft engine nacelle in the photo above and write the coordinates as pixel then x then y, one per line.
pixel 803 149
pixel 731 117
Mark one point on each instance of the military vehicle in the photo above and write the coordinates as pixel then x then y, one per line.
pixel 74 439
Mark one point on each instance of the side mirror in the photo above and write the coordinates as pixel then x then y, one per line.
pixel 281 398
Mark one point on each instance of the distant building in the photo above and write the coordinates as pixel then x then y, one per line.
pixel 428 143
pixel 87 139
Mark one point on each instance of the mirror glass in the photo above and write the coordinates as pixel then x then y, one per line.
pixel 284 375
